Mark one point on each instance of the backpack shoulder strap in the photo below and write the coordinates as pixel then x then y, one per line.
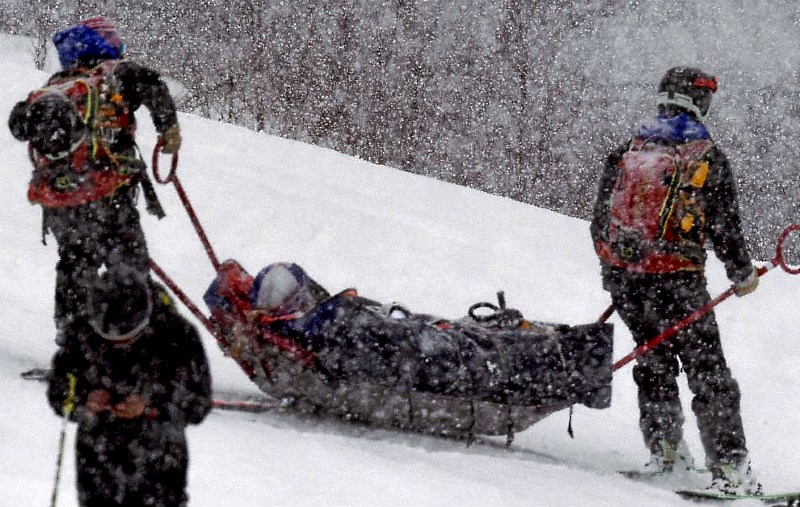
pixel 696 167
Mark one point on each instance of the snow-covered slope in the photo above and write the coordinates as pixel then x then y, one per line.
pixel 434 247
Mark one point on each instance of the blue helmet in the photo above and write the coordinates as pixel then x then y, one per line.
pixel 91 38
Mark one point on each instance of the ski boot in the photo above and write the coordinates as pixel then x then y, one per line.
pixel 735 480
pixel 666 458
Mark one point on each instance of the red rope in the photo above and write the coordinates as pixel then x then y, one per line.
pixel 186 301
pixel 223 343
pixel 172 177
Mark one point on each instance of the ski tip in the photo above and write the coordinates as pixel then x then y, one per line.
pixel 35 374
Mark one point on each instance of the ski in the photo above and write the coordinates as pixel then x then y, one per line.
pixel 691 479
pixel 786 499
pixel 689 485
pixel 254 405
pixel 39 374
pixel 645 475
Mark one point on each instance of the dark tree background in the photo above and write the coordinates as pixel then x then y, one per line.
pixel 521 98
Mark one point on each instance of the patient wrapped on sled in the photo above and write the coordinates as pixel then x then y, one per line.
pixel 490 372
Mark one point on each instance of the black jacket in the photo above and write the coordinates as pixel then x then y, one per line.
pixel 167 366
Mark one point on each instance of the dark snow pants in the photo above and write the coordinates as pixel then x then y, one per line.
pixel 104 232
pixel 649 304
pixel 131 464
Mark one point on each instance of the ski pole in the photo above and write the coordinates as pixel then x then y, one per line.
pixel 172 177
pixel 66 411
pixel 778 260
pixel 59 460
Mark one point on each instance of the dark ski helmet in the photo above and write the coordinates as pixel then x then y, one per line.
pixel 120 304
pixel 688 89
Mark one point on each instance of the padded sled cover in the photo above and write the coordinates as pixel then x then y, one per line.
pixel 356 358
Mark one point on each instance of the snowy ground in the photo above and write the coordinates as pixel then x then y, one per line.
pixel 433 246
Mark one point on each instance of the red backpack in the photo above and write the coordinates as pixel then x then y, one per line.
pixel 75 120
pixel 656 220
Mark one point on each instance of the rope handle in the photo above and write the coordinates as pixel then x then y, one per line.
pixel 172 174
pixel 780 259
pixel 496 309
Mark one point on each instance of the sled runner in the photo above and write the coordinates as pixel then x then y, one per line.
pixel 489 373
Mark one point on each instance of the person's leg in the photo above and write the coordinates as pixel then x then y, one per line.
pixel 122 240
pixel 163 468
pixel 716 402
pixel 655 374
pixel 75 231
pixel 96 483
pixel 660 412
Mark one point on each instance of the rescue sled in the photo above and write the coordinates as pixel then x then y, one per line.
pixel 489 373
